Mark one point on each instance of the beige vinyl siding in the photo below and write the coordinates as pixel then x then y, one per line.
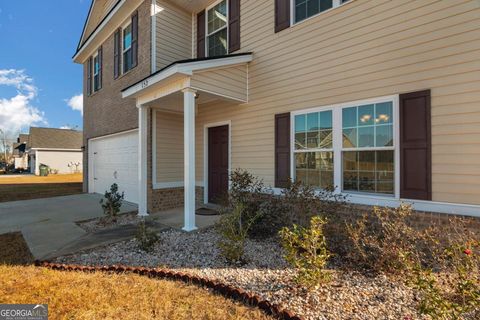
pixel 363 49
pixel 169 153
pixel 173 34
pixel 229 82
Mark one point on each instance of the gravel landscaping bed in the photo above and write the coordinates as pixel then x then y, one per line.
pixel 348 296
pixel 104 223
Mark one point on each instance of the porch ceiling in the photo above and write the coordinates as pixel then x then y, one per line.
pixel 174 102
pixel 192 5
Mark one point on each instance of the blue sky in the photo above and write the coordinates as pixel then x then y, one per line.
pixel 37 76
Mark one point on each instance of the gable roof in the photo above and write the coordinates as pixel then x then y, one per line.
pixel 22 138
pixel 95 18
pixel 51 138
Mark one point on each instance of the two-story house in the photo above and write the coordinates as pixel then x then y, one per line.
pixel 378 98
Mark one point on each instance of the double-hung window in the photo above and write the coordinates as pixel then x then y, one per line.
pixel 127 48
pixel 217 29
pixel 304 9
pixel 368 148
pixel 96 72
pixel 314 148
pixel 360 137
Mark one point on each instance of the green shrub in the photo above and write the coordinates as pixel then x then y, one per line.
pixel 454 291
pixel 145 237
pixel 112 202
pixel 306 250
pixel 297 204
pixel 233 228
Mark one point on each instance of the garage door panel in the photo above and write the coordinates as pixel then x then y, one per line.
pixel 115 160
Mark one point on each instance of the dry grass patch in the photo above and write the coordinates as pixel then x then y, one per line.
pixel 30 179
pixel 26 187
pixel 74 295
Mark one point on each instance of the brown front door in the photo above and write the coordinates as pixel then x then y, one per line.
pixel 217 163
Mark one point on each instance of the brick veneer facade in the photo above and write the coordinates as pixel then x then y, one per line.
pixel 106 112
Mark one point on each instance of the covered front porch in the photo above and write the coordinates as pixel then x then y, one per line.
pixel 174 160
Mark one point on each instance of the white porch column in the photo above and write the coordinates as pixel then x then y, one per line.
pixel 189 158
pixel 142 159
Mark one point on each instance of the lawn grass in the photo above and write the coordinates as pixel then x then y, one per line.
pixel 25 187
pixel 76 295
pixel 14 249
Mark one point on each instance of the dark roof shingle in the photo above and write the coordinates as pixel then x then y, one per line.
pixel 55 138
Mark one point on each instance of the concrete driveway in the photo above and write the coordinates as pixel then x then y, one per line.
pixel 49 224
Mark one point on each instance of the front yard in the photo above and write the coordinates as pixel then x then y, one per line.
pixel 320 257
pixel 75 295
pixel 25 187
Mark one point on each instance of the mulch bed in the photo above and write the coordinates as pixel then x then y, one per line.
pixel 16 192
pixel 14 250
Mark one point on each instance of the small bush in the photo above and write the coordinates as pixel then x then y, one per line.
pixel 233 228
pixel 145 237
pixel 306 250
pixel 112 202
pixel 297 204
pixel 384 241
pixel 455 292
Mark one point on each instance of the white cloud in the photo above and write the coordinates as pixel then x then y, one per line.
pixel 17 113
pixel 76 103
pixel 65 127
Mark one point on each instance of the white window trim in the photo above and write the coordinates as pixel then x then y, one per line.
pixel 125 26
pixel 336 4
pixel 95 55
pixel 338 145
pixel 206 25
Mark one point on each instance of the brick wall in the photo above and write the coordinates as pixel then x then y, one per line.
pixel 106 112
pixel 165 199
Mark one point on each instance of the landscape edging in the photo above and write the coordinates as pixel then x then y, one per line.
pixel 225 290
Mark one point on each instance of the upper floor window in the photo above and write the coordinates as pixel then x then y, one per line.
pixel 96 72
pixel 127 48
pixel 217 29
pixel 304 9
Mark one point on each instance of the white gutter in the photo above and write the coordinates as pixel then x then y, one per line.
pixel 53 149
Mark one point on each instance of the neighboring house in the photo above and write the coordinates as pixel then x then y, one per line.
pixel 59 149
pixel 20 157
pixel 379 98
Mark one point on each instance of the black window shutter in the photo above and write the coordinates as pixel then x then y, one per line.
pixel 415 146
pixel 135 39
pixel 233 25
pixel 201 34
pixel 282 15
pixel 116 54
pixel 89 76
pixel 282 150
pixel 100 67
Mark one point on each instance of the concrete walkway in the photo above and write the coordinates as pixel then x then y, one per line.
pixel 48 225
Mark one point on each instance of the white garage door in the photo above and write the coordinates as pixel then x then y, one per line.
pixel 114 159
